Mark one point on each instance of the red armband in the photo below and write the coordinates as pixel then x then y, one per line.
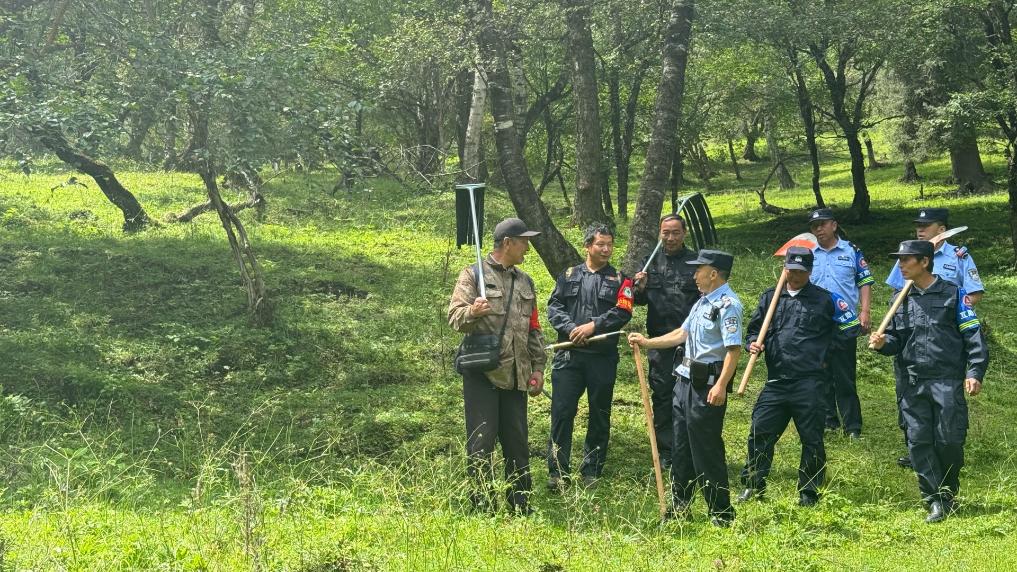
pixel 534 320
pixel 625 296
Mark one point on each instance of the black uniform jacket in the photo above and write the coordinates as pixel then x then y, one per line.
pixel 580 295
pixel 670 291
pixel 801 330
pixel 937 335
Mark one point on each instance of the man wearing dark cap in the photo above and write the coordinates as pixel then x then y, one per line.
pixel 495 400
pixel 840 267
pixel 935 334
pixel 806 321
pixel 951 263
pixel 589 299
pixel 712 334
pixel 668 290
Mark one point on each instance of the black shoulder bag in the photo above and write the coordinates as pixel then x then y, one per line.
pixel 482 352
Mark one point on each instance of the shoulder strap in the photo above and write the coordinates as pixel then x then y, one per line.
pixel 508 306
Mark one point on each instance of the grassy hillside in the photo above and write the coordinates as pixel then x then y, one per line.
pixel 144 425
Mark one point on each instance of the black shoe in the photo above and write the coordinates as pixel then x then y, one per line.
pixel 806 500
pixel 749 494
pixel 854 435
pixel 678 512
pixel 556 484
pixel 830 427
pixel 721 521
pixel 937 512
pixel 905 462
pixel 521 509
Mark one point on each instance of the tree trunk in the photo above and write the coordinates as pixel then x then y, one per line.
pixel 623 123
pixel 871 154
pixel 860 203
pixel 520 95
pixel 910 172
pixel 808 115
pixel 966 164
pixel 587 204
pixel 677 174
pixel 734 160
pixel 751 130
pixel 475 127
pixel 556 253
pixel 142 125
pixel 463 105
pixel 135 217
pixel 676 43
pixel 1011 189
pixel 777 157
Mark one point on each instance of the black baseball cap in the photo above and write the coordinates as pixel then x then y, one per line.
pixel 915 248
pixel 512 227
pixel 715 258
pixel 821 214
pixel 926 216
pixel 799 258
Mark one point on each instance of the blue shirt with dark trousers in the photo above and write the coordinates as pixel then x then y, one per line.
pixel 951 263
pixel 713 324
pixel 842 270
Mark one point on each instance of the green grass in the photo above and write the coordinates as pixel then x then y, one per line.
pixel 145 425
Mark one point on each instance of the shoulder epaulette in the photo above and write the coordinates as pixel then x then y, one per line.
pixel 961 251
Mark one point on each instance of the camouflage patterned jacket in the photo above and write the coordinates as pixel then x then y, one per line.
pixel 522 346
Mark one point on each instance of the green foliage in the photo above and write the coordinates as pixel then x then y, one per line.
pixel 144 425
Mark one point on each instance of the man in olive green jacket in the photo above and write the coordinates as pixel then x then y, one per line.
pixel 495 401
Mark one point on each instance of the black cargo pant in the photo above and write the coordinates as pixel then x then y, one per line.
pixel 936 418
pixel 662 381
pixel 572 374
pixel 496 415
pixel 778 403
pixel 841 386
pixel 698 457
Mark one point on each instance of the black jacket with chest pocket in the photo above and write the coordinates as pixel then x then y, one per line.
pixel 801 331
pixel 937 335
pixel 579 296
pixel 670 291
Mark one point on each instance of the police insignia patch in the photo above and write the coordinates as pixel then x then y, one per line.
pixel 974 274
pixel 725 301
pixel 967 300
pixel 731 324
pixel 843 305
pixel 628 291
pixel 863 263
pixel 568 272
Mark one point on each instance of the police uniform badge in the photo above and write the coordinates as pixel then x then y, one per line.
pixel 731 324
pixel 973 273
pixel 842 304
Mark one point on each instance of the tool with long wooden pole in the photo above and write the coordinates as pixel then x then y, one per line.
pixel 567 345
pixel 644 390
pixel 902 295
pixel 805 240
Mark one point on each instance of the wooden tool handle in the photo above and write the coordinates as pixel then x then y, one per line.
pixel 893 310
pixel 762 332
pixel 644 390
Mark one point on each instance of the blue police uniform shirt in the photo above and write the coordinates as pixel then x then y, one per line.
pixel 950 263
pixel 842 270
pixel 710 335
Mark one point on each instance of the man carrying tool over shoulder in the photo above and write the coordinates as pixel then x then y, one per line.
pixel 495 401
pixel 589 299
pixel 668 290
pixel 951 263
pixel 804 326
pixel 935 335
pixel 712 334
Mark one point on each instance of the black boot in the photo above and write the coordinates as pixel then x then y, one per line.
pixel 937 512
